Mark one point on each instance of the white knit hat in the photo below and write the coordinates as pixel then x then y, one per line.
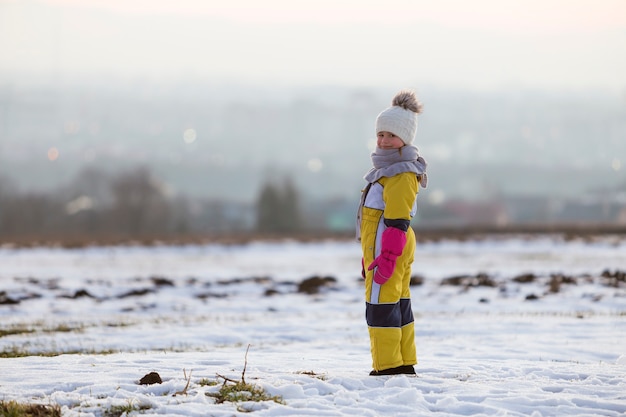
pixel 401 118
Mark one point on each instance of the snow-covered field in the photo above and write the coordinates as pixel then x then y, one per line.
pixel 533 327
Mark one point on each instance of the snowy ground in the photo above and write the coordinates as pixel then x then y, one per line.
pixel 503 348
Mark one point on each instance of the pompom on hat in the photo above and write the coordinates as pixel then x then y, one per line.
pixel 401 118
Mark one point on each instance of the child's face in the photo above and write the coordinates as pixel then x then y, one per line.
pixel 387 140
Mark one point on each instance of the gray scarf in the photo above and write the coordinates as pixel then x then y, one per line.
pixel 390 162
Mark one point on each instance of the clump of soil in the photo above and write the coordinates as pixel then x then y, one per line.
pixel 466 281
pixel 314 284
pixel 614 278
pixel 151 378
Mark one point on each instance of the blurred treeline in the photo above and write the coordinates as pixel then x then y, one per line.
pixel 100 207
pixel 134 204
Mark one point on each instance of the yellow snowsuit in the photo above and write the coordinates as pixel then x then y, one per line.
pixel 388 306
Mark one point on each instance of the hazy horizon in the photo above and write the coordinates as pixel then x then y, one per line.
pixel 519 97
pixel 224 141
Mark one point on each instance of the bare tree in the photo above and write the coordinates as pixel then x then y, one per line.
pixel 140 206
pixel 278 208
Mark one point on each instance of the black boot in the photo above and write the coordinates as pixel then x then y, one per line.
pixel 398 370
pixel 408 370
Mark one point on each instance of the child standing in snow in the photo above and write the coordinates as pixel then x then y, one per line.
pixel 388 242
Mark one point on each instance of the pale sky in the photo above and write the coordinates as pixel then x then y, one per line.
pixel 478 44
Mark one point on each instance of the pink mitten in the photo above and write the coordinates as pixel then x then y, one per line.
pixel 392 245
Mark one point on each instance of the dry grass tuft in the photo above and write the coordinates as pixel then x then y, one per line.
pixel 15 409
pixel 240 391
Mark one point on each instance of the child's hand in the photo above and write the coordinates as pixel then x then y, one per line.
pixel 383 269
pixel 392 244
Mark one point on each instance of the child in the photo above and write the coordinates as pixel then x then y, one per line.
pixel 388 242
